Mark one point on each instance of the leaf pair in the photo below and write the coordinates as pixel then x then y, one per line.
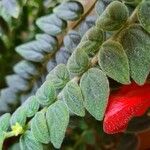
pixel 51 125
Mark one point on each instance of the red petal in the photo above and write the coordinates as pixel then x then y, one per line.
pixel 130 101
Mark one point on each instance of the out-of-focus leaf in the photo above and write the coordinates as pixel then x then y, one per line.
pixel 71 10
pixel 71 40
pixel 12 7
pixel 17 83
pixel 25 69
pixel 51 24
pixel 62 56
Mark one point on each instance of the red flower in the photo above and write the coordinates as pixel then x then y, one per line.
pixel 130 101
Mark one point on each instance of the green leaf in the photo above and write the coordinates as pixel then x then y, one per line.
pixel 78 62
pixel 114 62
pixel 2 138
pixel 114 16
pixel 12 7
pixel 73 97
pixel 39 128
pixel 46 94
pixel 136 44
pixel 92 40
pixel 71 10
pixel 28 142
pixel 95 89
pixel 59 76
pixel 57 118
pixel 128 142
pixel 19 116
pixel 31 106
pixel 5 122
pixel 51 24
pixel 144 14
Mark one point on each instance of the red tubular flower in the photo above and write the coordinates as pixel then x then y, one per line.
pixel 130 101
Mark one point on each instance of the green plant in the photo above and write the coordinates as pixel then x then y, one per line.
pixel 112 52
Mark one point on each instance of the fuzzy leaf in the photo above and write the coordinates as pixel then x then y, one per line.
pixel 114 16
pixel 31 106
pixel 95 90
pixel 5 122
pixel 51 24
pixel 19 116
pixel 46 94
pixel 78 62
pixel 92 40
pixel 136 44
pixel 12 7
pixel 144 14
pixel 25 69
pixel 2 138
pixel 71 40
pixel 73 97
pixel 71 10
pixel 114 61
pixel 39 128
pixel 59 76
pixel 57 118
pixel 28 142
